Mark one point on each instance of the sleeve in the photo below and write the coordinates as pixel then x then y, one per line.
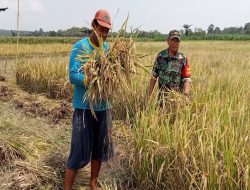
pixel 155 70
pixel 76 76
pixel 106 47
pixel 186 71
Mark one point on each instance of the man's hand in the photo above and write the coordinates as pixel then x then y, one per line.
pixel 88 78
pixel 86 81
pixel 151 86
pixel 187 98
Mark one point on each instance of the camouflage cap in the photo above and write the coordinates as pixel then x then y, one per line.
pixel 174 34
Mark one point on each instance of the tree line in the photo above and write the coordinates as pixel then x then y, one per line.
pixel 211 33
pixel 186 31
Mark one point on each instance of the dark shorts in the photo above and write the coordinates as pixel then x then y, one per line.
pixel 91 138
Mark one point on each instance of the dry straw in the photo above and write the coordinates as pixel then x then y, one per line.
pixel 109 72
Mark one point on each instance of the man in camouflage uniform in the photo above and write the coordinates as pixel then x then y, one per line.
pixel 171 68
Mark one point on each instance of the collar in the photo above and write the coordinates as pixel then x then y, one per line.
pixel 176 56
pixel 165 54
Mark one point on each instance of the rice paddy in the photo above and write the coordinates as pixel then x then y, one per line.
pixel 204 145
pixel 8 50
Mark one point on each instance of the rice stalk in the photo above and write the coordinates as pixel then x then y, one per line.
pixel 109 72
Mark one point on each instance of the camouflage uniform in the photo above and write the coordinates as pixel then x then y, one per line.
pixel 171 71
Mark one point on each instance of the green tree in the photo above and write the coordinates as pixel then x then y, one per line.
pixel 52 33
pixel 217 30
pixel 247 28
pixel 41 32
pixel 210 29
pixel 232 30
pixel 187 28
pixel 199 32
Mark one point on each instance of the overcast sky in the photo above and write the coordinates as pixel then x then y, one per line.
pixel 161 15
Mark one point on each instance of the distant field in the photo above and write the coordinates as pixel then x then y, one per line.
pixel 10 50
pixel 205 145
pixel 160 38
pixel 37 40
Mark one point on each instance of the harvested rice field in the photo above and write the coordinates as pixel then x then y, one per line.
pixel 204 145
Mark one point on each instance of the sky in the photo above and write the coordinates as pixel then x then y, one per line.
pixel 161 15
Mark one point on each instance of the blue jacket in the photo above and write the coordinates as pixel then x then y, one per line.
pixel 76 76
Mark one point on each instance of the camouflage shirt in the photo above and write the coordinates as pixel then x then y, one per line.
pixel 171 71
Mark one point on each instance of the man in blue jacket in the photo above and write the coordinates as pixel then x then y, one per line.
pixel 91 137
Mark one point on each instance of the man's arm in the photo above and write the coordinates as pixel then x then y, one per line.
pixel 154 77
pixel 186 78
pixel 186 87
pixel 76 76
pixel 151 85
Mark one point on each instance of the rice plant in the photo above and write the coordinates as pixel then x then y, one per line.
pixel 204 145
pixel 48 76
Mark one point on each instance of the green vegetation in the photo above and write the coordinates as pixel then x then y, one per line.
pixel 38 40
pixel 74 33
pixel 160 38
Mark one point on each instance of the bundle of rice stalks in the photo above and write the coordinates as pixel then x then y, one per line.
pixel 108 72
pixel 32 176
pixel 8 153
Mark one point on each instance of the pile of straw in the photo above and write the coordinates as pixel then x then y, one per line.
pixel 8 153
pixel 33 175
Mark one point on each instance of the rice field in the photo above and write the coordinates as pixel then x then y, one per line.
pixel 10 50
pixel 204 145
